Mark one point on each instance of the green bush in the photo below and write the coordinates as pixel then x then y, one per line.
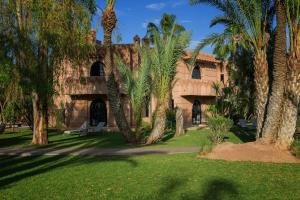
pixel 11 112
pixel 219 125
pixel 296 148
pixel 171 119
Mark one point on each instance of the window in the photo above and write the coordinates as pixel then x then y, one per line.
pixel 97 69
pixel 222 78
pixel 196 73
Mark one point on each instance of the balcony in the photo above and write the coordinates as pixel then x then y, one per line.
pixel 194 87
pixel 85 85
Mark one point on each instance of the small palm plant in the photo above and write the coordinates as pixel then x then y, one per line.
pixel 137 85
pixel 165 54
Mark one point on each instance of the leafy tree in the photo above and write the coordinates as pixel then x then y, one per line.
pixel 44 33
pixel 109 21
pixel 166 53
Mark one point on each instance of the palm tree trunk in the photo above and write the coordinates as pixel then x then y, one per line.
pixel 261 78
pixel 290 108
pixel 109 23
pixel 275 105
pixel 288 124
pixel 159 124
pixel 40 135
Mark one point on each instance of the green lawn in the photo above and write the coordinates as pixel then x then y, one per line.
pixel 181 176
pixel 22 138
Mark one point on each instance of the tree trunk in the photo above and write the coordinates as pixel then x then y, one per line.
pixel 288 126
pixel 159 124
pixel 290 108
pixel 40 135
pixel 261 78
pixel 179 122
pixel 275 105
pixel 109 23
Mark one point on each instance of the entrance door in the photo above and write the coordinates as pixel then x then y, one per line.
pixel 98 112
pixel 196 113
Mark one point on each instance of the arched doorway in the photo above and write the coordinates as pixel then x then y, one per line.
pixel 196 113
pixel 97 69
pixel 98 112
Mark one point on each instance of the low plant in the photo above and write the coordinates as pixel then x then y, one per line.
pixel 219 126
pixel 171 120
pixel 205 149
pixel 296 148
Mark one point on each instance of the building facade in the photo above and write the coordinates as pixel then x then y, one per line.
pixel 82 94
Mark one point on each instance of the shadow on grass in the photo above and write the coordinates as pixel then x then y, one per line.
pixel 15 168
pixel 244 134
pixel 213 189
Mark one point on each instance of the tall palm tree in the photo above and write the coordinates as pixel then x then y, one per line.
pixel 109 21
pixel 137 85
pixel 251 19
pixel 167 23
pixel 292 89
pixel 166 53
pixel 275 104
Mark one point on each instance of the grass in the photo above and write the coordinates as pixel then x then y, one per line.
pixel 22 138
pixel 181 176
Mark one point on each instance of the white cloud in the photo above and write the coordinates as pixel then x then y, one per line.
pixel 156 6
pixel 178 3
pixel 144 24
pixel 155 21
pixel 193 44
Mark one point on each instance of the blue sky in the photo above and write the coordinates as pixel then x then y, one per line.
pixel 134 15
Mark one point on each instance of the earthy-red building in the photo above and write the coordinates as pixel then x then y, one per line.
pixel 82 93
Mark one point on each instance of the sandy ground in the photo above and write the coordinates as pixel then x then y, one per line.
pixel 252 151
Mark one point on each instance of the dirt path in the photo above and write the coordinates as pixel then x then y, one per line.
pixel 251 151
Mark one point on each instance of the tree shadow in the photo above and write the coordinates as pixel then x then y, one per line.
pixel 17 168
pixel 214 189
pixel 244 134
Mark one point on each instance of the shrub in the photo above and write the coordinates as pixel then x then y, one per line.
pixel 296 148
pixel 219 125
pixel 171 119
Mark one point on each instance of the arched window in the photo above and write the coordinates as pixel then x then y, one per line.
pixel 196 113
pixel 196 73
pixel 97 69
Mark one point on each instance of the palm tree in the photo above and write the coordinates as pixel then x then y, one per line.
pixel 250 18
pixel 109 21
pixel 137 85
pixel 167 23
pixel 164 57
pixel 275 105
pixel 292 89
